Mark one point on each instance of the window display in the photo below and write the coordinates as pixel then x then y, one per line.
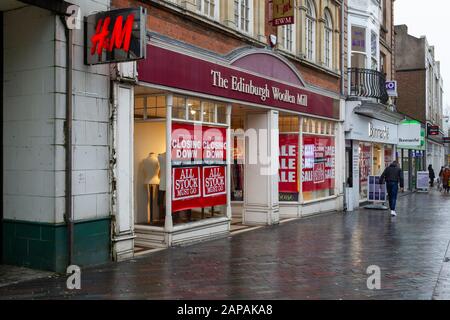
pixel 199 171
pixel 318 167
pixel 318 159
pixel 288 186
pixel 365 158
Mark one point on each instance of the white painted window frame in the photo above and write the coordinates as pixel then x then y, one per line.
pixel 201 5
pixel 310 29
pixel 239 16
pixel 328 40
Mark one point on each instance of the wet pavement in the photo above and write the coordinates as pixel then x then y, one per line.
pixel 322 257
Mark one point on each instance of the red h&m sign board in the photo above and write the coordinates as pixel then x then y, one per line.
pixel 115 36
pixel 288 174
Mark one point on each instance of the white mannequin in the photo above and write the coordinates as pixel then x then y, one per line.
pixel 162 172
pixel 151 169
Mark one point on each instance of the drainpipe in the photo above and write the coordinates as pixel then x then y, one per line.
pixel 342 48
pixel 68 142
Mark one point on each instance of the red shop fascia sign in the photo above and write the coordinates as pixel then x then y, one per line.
pixel 172 69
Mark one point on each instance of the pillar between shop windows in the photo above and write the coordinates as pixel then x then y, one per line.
pixel 261 205
pixel 229 144
pixel 168 225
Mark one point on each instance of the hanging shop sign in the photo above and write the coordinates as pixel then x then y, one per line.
pixel 377 190
pixel 288 185
pixel 391 88
pixel 282 12
pixel 171 69
pixel 410 134
pixel 115 36
pixel 318 163
pixel 433 130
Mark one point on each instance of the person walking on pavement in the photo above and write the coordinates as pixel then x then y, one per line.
pixel 432 175
pixel 446 179
pixel 393 176
pixel 440 184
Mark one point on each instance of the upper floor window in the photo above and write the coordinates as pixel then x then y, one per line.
pixel 287 37
pixel 328 38
pixel 374 50
pixel 310 30
pixel 358 45
pixel 209 8
pixel 243 15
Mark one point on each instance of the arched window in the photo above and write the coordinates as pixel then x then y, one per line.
pixel 310 30
pixel 287 37
pixel 328 40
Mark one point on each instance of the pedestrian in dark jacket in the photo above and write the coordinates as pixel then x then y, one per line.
pixel 432 175
pixel 393 176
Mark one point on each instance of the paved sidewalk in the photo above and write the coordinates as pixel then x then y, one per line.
pixel 324 257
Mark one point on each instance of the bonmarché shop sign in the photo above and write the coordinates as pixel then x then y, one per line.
pixel 171 69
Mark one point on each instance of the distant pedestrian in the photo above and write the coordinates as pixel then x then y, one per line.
pixel 393 176
pixel 446 179
pixel 432 175
pixel 440 183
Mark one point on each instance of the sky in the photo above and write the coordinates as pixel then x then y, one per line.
pixel 429 18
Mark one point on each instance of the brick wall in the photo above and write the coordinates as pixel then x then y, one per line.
pixel 411 90
pixel 205 36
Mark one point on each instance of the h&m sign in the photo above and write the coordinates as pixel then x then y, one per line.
pixel 115 36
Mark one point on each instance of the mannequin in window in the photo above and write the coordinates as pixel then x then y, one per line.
pixel 162 185
pixel 151 179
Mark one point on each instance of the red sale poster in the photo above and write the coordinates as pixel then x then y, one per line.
pixel 198 143
pixel 288 173
pixel 186 142
pixel 214 144
pixel 214 181
pixel 186 188
pixel 318 163
pixel 214 186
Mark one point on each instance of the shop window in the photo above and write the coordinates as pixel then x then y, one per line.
pixel 365 169
pixel 318 160
pixel 194 109
pixel 221 113
pixel 289 140
pixel 179 108
pixel 209 112
pixel 139 104
pixel 156 107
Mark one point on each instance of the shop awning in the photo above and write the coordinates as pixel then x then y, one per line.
pixel 378 111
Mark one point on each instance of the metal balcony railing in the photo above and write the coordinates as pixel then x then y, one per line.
pixel 367 83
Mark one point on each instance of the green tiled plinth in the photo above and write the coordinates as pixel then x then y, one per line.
pixel 44 246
